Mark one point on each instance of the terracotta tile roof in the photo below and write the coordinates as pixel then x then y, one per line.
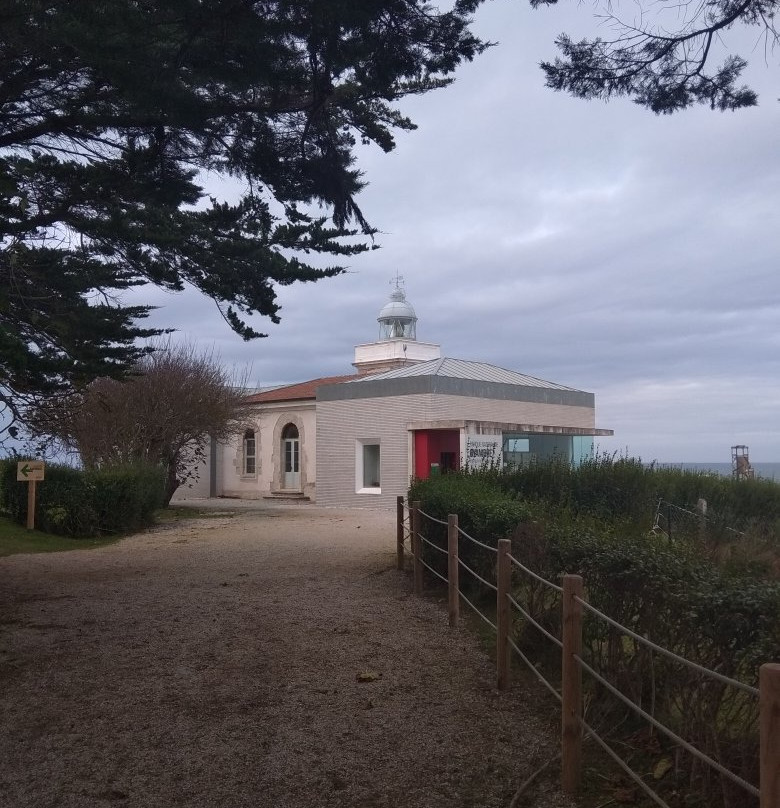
pixel 297 392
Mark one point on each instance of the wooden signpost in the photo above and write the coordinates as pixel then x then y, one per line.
pixel 30 471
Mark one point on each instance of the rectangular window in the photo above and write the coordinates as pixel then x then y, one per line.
pixel 518 445
pixel 371 465
pixel 249 452
pixel 367 471
pixel 291 456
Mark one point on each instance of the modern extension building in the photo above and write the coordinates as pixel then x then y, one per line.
pixel 407 411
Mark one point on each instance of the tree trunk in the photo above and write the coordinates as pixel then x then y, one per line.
pixel 171 484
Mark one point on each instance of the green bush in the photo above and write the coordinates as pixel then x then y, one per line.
pixel 683 602
pixel 593 521
pixel 485 513
pixel 627 489
pixel 72 502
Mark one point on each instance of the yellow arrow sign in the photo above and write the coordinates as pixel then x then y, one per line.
pixel 28 470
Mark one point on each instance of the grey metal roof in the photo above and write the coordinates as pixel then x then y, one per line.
pixel 461 369
pixel 397 306
pixel 395 309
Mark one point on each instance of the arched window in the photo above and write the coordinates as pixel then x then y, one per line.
pixel 290 431
pixel 249 452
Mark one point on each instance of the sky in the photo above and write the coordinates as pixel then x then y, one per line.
pixel 591 244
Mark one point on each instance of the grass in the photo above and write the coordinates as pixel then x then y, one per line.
pixel 15 539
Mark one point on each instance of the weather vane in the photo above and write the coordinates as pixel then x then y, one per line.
pixel 398 280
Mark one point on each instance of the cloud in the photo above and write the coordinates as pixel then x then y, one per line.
pixel 591 244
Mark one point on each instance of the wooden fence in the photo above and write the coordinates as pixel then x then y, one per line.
pixel 573 607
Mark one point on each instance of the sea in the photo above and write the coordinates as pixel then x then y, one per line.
pixel 768 471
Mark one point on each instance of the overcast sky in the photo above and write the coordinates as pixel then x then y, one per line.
pixel 595 245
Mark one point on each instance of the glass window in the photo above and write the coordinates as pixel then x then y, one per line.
pixel 249 452
pixel 290 431
pixel 517 450
pixel 582 449
pixel 523 449
pixel 291 455
pixel 518 445
pixel 370 462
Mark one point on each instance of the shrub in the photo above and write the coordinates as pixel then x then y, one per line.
pixel 125 497
pixel 72 502
pixel 485 512
pixel 625 488
pixel 682 602
pixel 742 528
pixel 593 521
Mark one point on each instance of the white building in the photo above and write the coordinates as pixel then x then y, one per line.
pixel 357 440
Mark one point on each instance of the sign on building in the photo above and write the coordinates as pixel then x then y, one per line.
pixel 484 451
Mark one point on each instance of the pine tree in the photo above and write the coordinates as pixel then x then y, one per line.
pixel 112 110
pixel 663 57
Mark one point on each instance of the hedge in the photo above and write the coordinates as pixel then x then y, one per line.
pixel 485 513
pixel 626 488
pixel 672 592
pixel 72 502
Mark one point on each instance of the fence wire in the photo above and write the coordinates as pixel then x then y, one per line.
pixel 487 620
pixel 477 576
pixel 534 670
pixel 478 543
pixel 539 578
pixel 431 544
pixel 432 518
pixel 749 787
pixel 623 765
pixel 698 515
pixel 663 728
pixel 533 622
pixel 670 654
pixel 438 575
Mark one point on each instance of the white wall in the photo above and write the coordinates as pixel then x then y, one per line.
pixel 268 422
pixel 341 424
pixel 196 488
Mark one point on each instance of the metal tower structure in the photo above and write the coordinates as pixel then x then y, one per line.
pixel 740 463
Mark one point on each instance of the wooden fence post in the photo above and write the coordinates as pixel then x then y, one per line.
pixel 701 509
pixel 31 505
pixel 399 532
pixel 571 686
pixel 417 549
pixel 769 700
pixel 503 581
pixel 452 569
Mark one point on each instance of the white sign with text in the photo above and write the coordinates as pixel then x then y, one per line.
pixel 484 451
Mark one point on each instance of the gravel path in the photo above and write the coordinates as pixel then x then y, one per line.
pixel 215 663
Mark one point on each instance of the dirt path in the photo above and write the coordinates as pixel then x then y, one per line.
pixel 214 664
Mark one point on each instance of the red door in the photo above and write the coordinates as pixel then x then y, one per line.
pixel 438 448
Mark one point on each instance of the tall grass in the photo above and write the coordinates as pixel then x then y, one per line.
pixel 741 529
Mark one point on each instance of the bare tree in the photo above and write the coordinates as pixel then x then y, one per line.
pixel 164 413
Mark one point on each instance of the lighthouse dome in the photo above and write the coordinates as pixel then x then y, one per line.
pixel 397 319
